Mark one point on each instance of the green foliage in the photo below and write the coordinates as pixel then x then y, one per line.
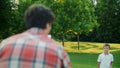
pixel 17 24
pixel 72 17
pixel 108 17
pixel 5 16
pixel 108 13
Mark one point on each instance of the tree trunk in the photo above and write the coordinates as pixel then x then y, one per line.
pixel 63 40
pixel 78 42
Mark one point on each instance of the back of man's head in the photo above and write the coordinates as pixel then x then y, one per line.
pixel 38 16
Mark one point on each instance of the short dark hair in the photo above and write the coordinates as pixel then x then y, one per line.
pixel 38 16
pixel 107 45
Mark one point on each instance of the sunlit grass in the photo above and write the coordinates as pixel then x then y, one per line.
pixel 88 47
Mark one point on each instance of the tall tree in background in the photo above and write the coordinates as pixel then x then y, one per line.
pixel 108 12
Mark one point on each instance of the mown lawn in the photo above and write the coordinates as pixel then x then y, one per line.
pixel 86 57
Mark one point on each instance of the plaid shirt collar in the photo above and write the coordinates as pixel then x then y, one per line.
pixel 37 31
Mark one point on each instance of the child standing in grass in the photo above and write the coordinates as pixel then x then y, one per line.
pixel 105 59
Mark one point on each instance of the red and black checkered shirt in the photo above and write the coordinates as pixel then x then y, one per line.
pixel 32 49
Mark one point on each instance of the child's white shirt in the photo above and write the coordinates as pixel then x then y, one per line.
pixel 105 60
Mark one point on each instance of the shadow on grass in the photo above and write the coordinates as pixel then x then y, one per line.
pixel 112 48
pixel 82 47
pixel 94 46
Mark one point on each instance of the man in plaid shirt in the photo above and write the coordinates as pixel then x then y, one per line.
pixel 33 48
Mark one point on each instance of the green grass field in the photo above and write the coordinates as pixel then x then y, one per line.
pixel 87 56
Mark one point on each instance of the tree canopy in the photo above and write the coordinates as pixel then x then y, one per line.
pixel 73 17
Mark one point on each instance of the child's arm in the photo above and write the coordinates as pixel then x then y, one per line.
pixel 111 64
pixel 98 65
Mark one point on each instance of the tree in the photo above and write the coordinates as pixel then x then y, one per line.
pixel 108 12
pixel 73 17
pixel 85 18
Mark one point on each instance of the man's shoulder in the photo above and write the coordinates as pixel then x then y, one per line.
pixel 54 43
pixel 9 40
pixel 49 43
pixel 13 37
